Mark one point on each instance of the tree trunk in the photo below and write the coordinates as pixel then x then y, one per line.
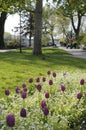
pixel 76 29
pixel 31 28
pixel 2 22
pixel 38 28
pixel 52 39
pixel 30 39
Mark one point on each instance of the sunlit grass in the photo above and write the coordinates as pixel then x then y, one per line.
pixel 66 111
pixel 16 68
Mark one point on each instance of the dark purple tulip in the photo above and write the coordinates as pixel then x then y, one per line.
pixel 25 89
pixel 63 88
pixel 17 90
pixel 45 111
pixel 23 112
pixel 7 92
pixel 23 95
pixel 38 79
pixel 39 87
pixel 50 82
pixel 43 103
pixel 43 79
pixel 79 96
pixel 48 72
pixel 82 81
pixel 30 80
pixel 10 120
pixel 23 85
pixel 47 94
pixel 54 74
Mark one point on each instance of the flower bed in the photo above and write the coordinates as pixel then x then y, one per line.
pixel 52 102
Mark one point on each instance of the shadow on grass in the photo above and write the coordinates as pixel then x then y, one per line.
pixel 50 57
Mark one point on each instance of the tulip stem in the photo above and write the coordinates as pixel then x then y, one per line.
pixel 45 119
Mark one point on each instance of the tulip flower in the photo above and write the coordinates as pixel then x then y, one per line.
pixel 23 112
pixel 82 82
pixel 7 92
pixel 10 120
pixel 47 94
pixel 79 95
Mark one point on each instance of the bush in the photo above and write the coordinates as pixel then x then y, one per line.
pixel 12 44
pixel 45 40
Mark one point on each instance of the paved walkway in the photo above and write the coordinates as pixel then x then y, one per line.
pixel 79 53
pixel 7 50
pixel 4 50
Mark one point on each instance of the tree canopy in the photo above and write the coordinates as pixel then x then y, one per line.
pixel 68 9
pixel 73 9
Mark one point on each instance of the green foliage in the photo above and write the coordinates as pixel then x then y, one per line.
pixel 7 36
pixel 45 40
pixel 11 44
pixel 50 22
pixel 62 39
pixel 83 41
pixel 14 5
pixel 73 9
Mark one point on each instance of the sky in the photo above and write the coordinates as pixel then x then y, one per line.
pixel 13 20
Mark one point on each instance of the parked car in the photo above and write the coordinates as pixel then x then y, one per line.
pixel 70 45
pixel 50 44
pixel 84 47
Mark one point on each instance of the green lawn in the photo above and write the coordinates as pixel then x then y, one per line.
pixel 16 68
pixel 65 105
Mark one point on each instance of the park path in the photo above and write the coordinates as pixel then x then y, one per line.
pixel 4 50
pixel 79 53
pixel 7 50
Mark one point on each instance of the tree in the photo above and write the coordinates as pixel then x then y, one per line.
pixel 18 5
pixel 37 23
pixel 27 25
pixel 73 9
pixel 38 28
pixel 31 27
pixel 2 22
pixel 5 8
pixel 63 23
pixel 49 23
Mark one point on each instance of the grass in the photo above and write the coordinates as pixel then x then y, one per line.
pixel 66 111
pixel 16 68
